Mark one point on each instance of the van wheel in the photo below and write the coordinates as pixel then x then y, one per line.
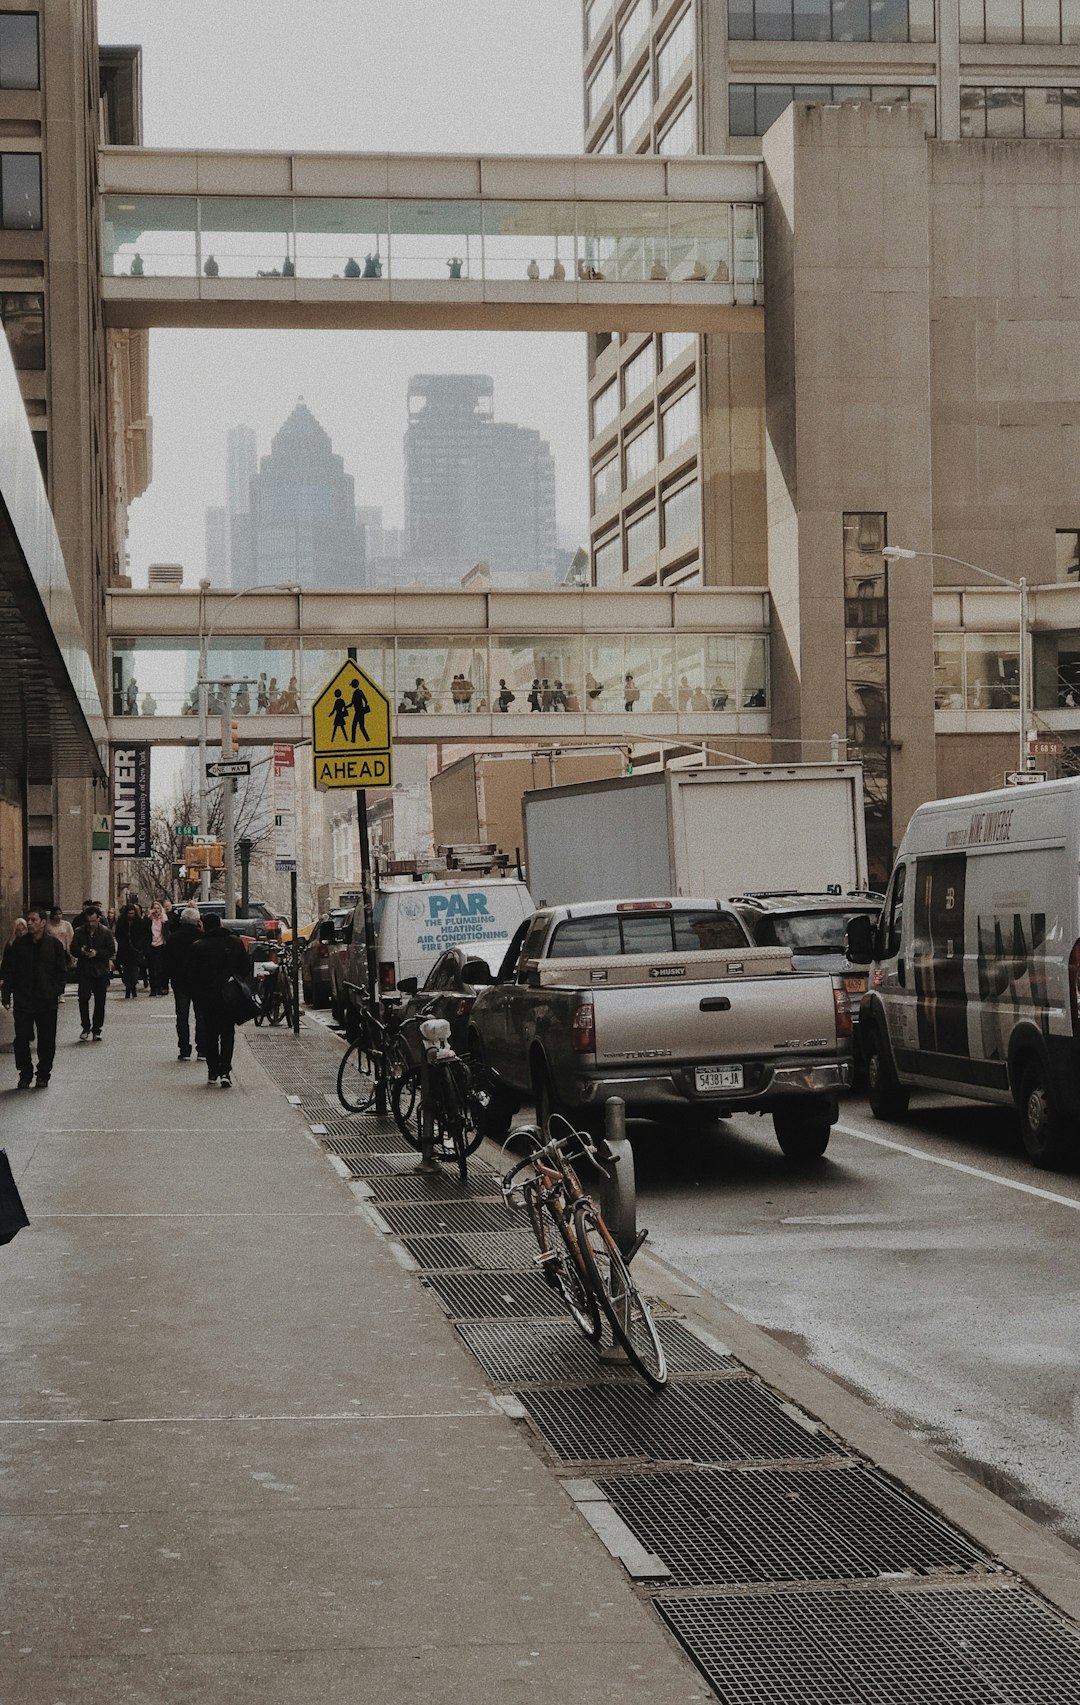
pixel 802 1132
pixel 1042 1127
pixel 887 1096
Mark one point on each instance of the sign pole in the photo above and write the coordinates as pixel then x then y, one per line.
pixel 369 916
pixel 295 971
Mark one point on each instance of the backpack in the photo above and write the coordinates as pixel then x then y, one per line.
pixel 240 1001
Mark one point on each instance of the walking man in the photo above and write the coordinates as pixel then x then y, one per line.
pixel 93 947
pixel 178 955
pixel 214 960
pixel 35 970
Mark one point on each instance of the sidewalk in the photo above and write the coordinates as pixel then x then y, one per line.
pixel 282 1421
pixel 244 1458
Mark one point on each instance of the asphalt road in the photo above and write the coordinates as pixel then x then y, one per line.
pixel 926 1264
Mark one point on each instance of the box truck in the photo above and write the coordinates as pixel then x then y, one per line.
pixel 719 831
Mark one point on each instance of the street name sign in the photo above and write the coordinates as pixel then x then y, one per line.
pixel 1046 746
pixel 350 731
pixel 230 767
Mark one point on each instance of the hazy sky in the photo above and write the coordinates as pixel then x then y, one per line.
pixel 491 76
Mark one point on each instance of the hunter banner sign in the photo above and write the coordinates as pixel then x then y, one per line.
pixel 130 769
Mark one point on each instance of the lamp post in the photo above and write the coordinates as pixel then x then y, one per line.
pixel 897 553
pixel 206 633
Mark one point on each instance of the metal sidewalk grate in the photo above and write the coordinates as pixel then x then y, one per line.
pixel 494 1249
pixel 548 1351
pixel 338 1123
pixel 434 1187
pixel 966 1646
pixel 786 1525
pixel 723 1421
pixel 435 1217
pixel 487 1296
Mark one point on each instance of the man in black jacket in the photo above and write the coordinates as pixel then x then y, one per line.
pixel 215 959
pixel 93 948
pixel 179 946
pixel 33 983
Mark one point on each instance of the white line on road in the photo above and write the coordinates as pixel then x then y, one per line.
pixel 960 1166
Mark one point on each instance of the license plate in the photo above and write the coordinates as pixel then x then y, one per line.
pixel 717 1077
pixel 855 985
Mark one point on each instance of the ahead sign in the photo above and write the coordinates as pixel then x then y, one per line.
pixel 350 731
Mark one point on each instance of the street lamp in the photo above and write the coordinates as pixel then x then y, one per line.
pixel 205 636
pixel 897 553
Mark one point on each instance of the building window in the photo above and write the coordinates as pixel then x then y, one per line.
pixel 680 136
pixel 597 12
pixel 633 30
pixel 674 50
pixel 641 454
pixel 634 111
pixel 20 192
pixel 605 483
pixel 639 373
pixel 866 649
pixel 20 66
pixel 948 671
pixel 1067 554
pixel 607 144
pixel 600 86
pixel 753 107
pixel 1056 669
pixel 605 407
pixel 834 20
pixel 675 344
pixel 1035 21
pixel 23 315
pixel 1007 111
pixel 992 671
pixel 682 514
pixel 641 539
pixel 679 421
pixel 607 562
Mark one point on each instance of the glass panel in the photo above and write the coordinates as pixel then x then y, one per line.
pixel 888 20
pixel 851 92
pixel 921 20
pixel 973 112
pixel 680 136
pixel 21 202
pixel 675 48
pixel 586 938
pixel 649 677
pixel 440 677
pixel 1004 112
pixel 607 561
pixel 812 20
pixel 641 455
pixel 675 344
pixel 635 109
pixel 639 373
pixel 753 674
pixel 851 20
pixel 883 94
pixel 993 671
pixel 19 67
pixel 604 672
pixel 740 15
pixel 948 671
pixel 772 100
pixel 747 245
pixel 542 674
pixel 607 145
pixel 159 677
pixel 247 237
pixel 1070 112
pixel 632 30
pixel 605 407
pixel 606 485
pixel 526 239
pixel 700 247
pixel 926 98
pixel 341 238
pixel 971 20
pixel 597 13
pixel 682 514
pixel 622 240
pixel 1070 22
pixel 151 234
pixel 435 239
pixel 323 657
pixel 741 120
pixel 23 315
pixel 773 20
pixel 1067 555
pixel 1042 112
pixel 641 540
pixel 813 92
pixel 1056 658
pixel 1003 20
pixel 680 421
pixel 600 86
pixel 1042 21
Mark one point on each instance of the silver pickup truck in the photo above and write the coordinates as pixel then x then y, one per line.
pixel 667 1004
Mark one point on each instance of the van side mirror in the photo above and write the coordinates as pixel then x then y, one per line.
pixel 408 985
pixel 859 939
pixel 327 931
pixel 477 971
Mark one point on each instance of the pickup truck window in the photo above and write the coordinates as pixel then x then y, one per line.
pixel 646 932
pixel 707 931
pixel 585 938
pixel 534 940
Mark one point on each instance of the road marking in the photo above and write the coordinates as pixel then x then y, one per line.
pixel 960 1166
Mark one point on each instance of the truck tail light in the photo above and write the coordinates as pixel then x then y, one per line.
pixel 842 1009
pixel 1074 988
pixel 583 1028
pixel 465 1004
pixel 387 976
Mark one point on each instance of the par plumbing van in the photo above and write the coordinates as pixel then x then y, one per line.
pixel 973 988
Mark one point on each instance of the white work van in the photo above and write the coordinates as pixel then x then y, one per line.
pixel 976 962
pixel 416 921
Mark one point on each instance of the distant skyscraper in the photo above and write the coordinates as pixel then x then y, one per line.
pixel 217 546
pixel 241 466
pixel 475 488
pixel 302 524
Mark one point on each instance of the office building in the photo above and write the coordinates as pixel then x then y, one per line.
pixel 301 526
pixel 476 489
pixel 217 551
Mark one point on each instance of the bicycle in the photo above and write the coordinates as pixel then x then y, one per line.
pixel 274 989
pixel 376 1059
pixel 578 1256
pixel 435 1103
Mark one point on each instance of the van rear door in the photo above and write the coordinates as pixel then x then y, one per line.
pixel 427 919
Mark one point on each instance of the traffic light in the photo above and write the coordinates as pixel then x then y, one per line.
pixel 234 738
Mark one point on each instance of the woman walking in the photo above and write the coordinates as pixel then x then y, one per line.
pixel 159 934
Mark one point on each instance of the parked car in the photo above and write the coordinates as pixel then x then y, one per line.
pixel 814 928
pixel 452 985
pixel 327 939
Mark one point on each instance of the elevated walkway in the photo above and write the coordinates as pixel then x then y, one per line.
pixel 428 242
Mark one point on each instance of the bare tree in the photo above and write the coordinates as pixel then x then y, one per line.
pixel 156 877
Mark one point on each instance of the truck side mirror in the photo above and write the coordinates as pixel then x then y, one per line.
pixel 408 985
pixel 859 939
pixel 477 972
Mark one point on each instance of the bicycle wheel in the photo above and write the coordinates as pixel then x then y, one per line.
pixel 627 1312
pixel 356 1079
pixel 405 1105
pixel 559 1264
pixel 275 1012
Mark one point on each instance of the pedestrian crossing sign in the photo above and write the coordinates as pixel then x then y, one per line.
pixel 350 731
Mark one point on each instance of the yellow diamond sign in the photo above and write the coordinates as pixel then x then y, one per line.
pixel 350 731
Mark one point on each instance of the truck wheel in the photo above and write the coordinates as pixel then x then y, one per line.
pixel 802 1132
pixel 1044 1132
pixel 545 1100
pixel 887 1095
pixel 493 1104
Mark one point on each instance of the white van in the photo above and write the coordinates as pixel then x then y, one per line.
pixel 416 921
pixel 976 962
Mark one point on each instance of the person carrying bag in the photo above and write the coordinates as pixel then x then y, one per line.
pixel 219 971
